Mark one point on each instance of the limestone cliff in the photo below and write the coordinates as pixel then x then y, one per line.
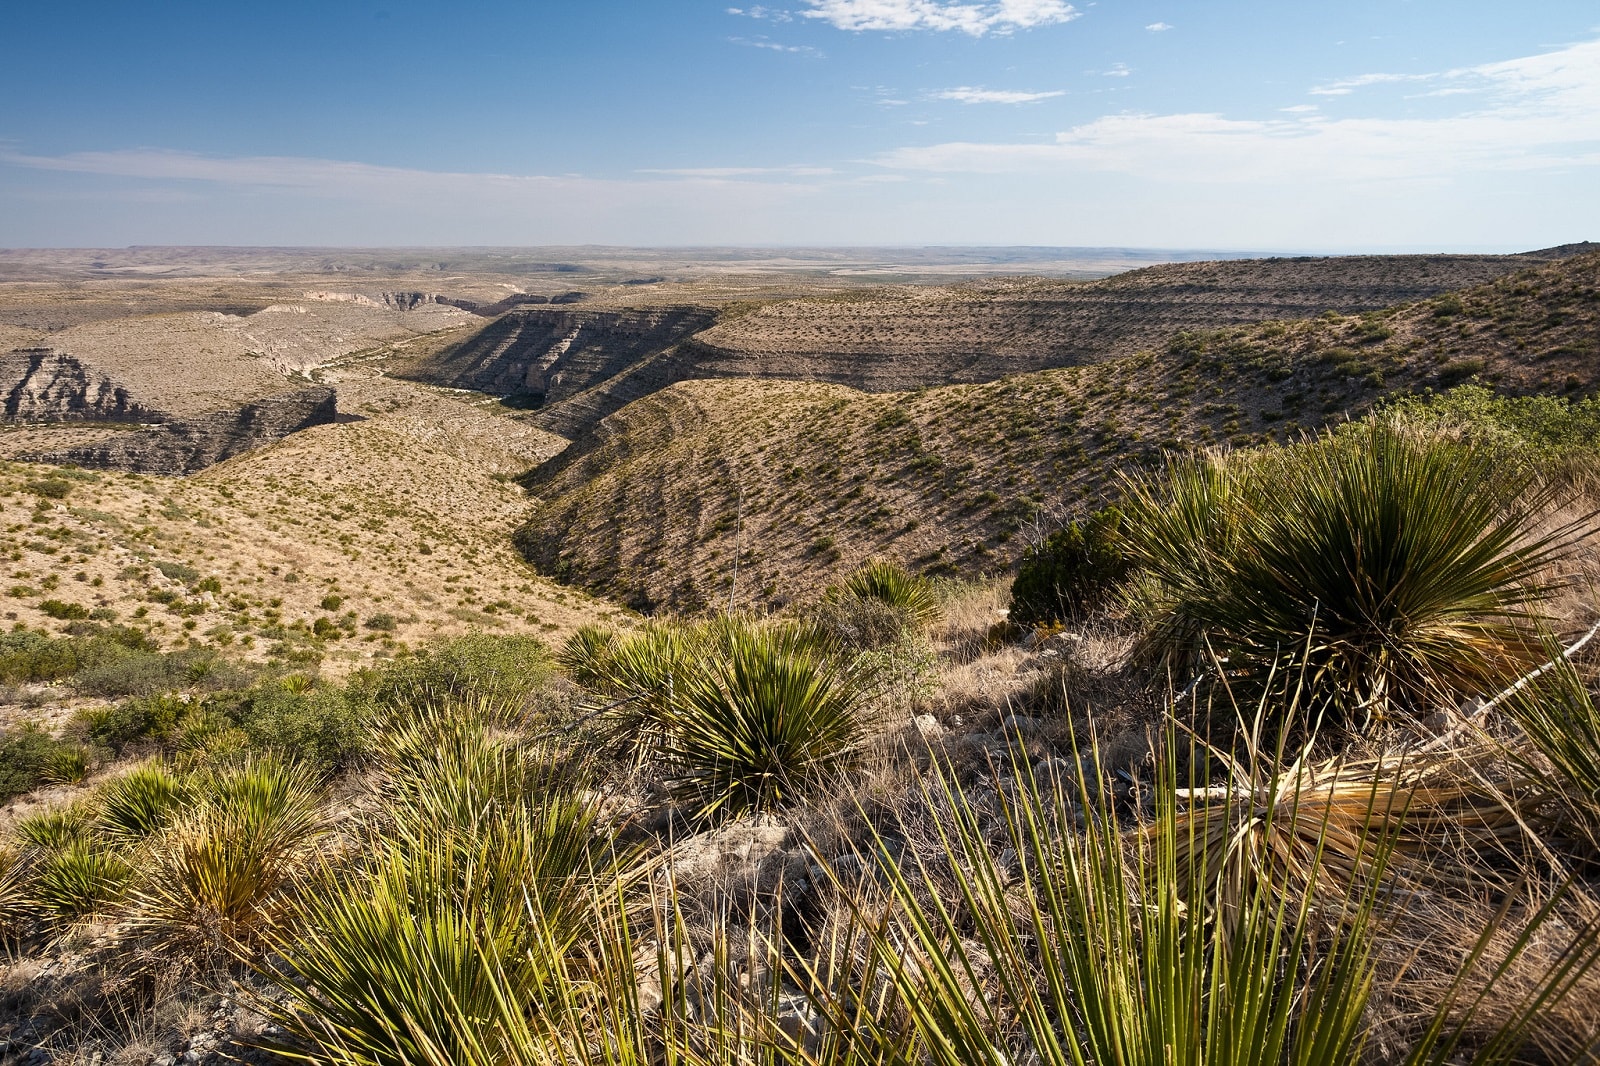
pixel 45 385
pixel 188 445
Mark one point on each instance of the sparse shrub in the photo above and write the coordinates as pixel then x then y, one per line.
pixel 25 753
pixel 1394 566
pixel 509 671
pixel 325 726
pixel 139 803
pixel 181 572
pixel 1073 572
pixel 63 610
pixel 50 488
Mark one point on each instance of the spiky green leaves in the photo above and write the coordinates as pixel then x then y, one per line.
pixel 890 583
pixel 763 724
pixel 1392 566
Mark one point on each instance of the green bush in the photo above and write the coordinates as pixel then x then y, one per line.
pixel 26 754
pixel 505 670
pixel 1073 572
pixel 325 726
pixel 50 488
pixel 63 610
pixel 30 656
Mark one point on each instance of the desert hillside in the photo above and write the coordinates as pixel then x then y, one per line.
pixel 647 508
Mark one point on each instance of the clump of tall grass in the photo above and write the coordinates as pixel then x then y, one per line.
pixel 1395 566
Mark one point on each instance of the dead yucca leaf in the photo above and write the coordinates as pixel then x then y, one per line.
pixel 1324 825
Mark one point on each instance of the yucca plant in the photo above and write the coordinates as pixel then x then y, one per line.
pixel 1558 716
pixel 1395 566
pixel 66 765
pixel 57 826
pixel 447 929
pixel 890 583
pixel 1084 950
pixel 80 879
pixel 139 803
pixel 16 894
pixel 767 723
pixel 585 654
pixel 220 876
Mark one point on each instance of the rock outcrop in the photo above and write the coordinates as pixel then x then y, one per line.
pixel 547 355
pixel 189 445
pixel 45 385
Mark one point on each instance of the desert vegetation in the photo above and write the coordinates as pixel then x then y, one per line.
pixel 1232 745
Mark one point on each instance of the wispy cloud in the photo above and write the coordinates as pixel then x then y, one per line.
pixel 742 172
pixel 976 19
pixel 774 46
pixel 1346 86
pixel 967 94
pixel 1537 112
pixel 759 12
pixel 1159 27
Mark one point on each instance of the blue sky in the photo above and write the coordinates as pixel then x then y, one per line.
pixel 1365 124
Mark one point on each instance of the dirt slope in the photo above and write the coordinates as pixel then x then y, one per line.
pixel 647 508
pixel 406 514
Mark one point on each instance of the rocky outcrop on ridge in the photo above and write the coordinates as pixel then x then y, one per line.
pixel 189 445
pixel 44 385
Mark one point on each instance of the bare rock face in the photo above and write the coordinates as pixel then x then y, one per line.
pixel 549 355
pixel 44 385
pixel 189 445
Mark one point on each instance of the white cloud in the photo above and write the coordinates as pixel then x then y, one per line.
pixel 759 12
pixel 1540 112
pixel 773 46
pixel 741 172
pixel 1159 27
pixel 1346 86
pixel 967 94
pixel 976 19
